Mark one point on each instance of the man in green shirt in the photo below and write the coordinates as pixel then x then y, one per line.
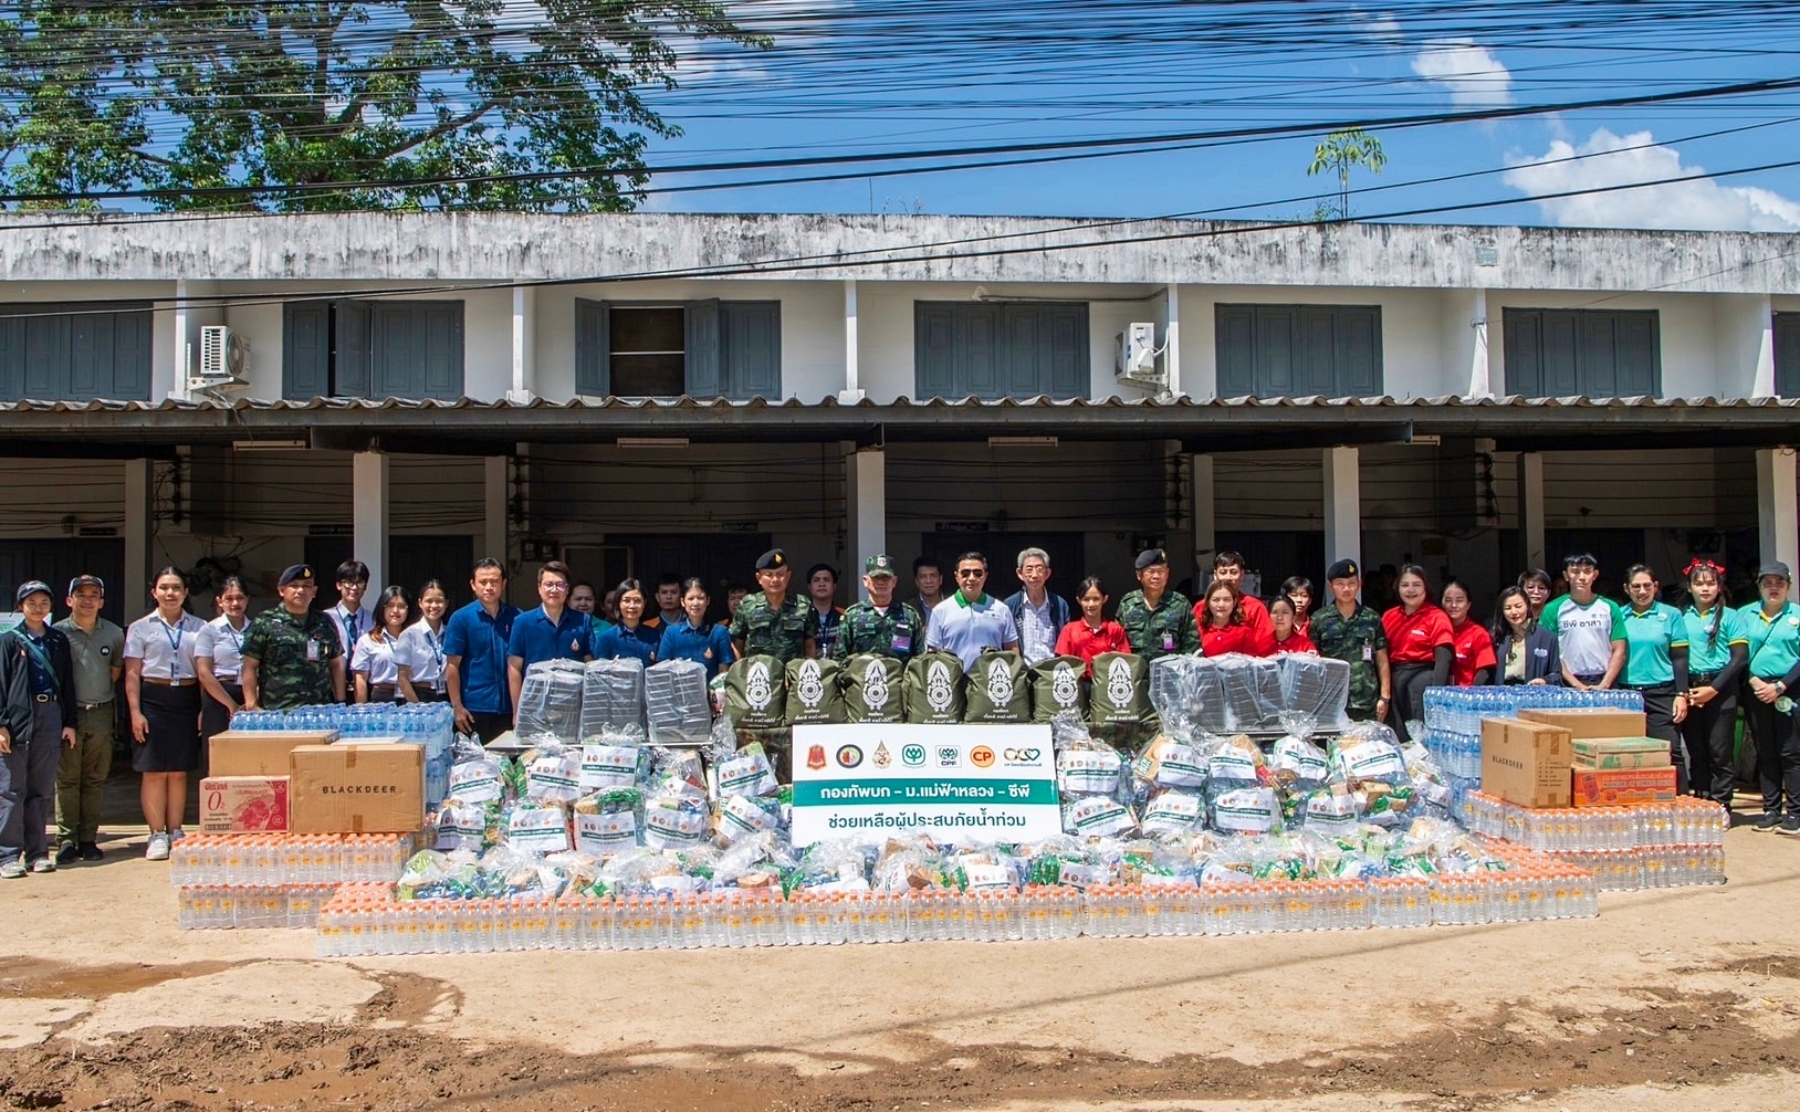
pixel 1351 632
pixel 773 622
pixel 1590 630
pixel 97 648
pixel 1158 622
pixel 292 656
pixel 879 625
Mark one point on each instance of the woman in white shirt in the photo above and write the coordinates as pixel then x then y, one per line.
pixel 218 657
pixel 376 669
pixel 162 689
pixel 420 652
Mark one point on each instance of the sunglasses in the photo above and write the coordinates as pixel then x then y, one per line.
pixel 971 573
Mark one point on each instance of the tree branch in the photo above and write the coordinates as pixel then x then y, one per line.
pixel 443 129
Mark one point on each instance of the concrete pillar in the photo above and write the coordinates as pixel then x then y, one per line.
pixel 1531 510
pixel 1763 382
pixel 1172 342
pixel 187 342
pixel 866 484
pixel 1343 504
pixel 138 476
pixel 493 536
pixel 1480 373
pixel 369 514
pixel 1206 539
pixel 1776 508
pixel 852 391
pixel 524 345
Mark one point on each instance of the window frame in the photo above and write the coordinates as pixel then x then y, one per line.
pixel 68 325
pixel 715 363
pixel 1580 328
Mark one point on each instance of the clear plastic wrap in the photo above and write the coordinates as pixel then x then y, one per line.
pixel 1252 688
pixel 538 827
pixel 747 773
pixel 909 864
pixel 609 821
pixel 677 703
pixel 1316 685
pixel 550 699
pixel 552 772
pixel 1173 813
pixel 1168 762
pixel 607 765
pixel 1368 760
pixel 612 696
pixel 837 865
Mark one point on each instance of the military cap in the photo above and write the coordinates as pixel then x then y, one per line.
pixel 1151 557
pixel 297 571
pixel 1343 569
pixel 772 559
pixel 880 567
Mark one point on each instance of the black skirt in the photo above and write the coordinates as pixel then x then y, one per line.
pixel 215 717
pixel 174 714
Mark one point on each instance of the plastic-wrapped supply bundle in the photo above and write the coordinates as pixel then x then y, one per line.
pixel 613 759
pixel 552 772
pixel 534 827
pixel 1056 687
pixel 1095 770
pixel 1090 778
pixel 813 692
pixel 996 689
pixel 1175 688
pixel 874 689
pixel 677 703
pixel 756 694
pixel 1173 813
pixel 1316 685
pixel 1170 763
pixel 934 688
pixel 1300 770
pixel 550 699
pixel 1119 703
pixel 475 774
pixel 612 696
pixel 609 821
pixel 1431 788
pixel 1367 758
pixel 747 772
pixel 1252 688
pixel 1240 789
pixel 676 815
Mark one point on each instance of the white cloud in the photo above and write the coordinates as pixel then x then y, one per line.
pixel 1696 203
pixel 1379 26
pixel 1475 78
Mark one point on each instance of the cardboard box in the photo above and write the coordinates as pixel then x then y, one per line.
pixel 243 804
pixel 1619 787
pixel 1621 752
pixel 357 789
pixel 259 753
pixel 1525 762
pixel 1585 722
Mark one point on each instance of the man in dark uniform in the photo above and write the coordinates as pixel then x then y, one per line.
pixel 292 655
pixel 1157 621
pixel 880 625
pixel 773 622
pixel 1349 631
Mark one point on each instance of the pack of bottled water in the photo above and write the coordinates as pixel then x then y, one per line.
pixel 1453 718
pixel 430 725
pixel 677 703
pixel 550 699
pixel 612 696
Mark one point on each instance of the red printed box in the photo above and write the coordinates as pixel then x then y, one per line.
pixel 243 804
pixel 1610 787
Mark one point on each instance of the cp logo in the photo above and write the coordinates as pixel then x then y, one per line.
pixel 981 756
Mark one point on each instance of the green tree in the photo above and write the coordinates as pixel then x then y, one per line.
pixel 192 95
pixel 1343 151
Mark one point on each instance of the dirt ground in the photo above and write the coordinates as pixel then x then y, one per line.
pixel 1676 999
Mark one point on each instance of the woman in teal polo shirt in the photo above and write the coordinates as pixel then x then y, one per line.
pixel 1718 650
pixel 1772 627
pixel 1656 664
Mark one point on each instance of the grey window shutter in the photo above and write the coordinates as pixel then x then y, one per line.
pixel 1597 357
pixel 443 350
pixel 1276 330
pixel 132 334
pixel 1021 369
pixel 46 356
pixel 1561 354
pixel 1787 354
pixel 353 338
pixel 396 355
pixel 12 358
pixel 1524 352
pixel 1638 361
pixel 934 350
pixel 306 350
pixel 1358 358
pixel 750 338
pixel 1071 369
pixel 1234 347
pixel 1315 351
pixel 704 374
pixel 593 347
pixel 978 337
pixel 91 356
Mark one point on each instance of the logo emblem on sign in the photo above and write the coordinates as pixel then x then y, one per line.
pixel 1065 686
pixel 875 686
pixel 939 691
pixel 1022 756
pixel 1000 685
pixel 811 690
pixel 1118 682
pixel 757 691
pixel 982 756
pixel 882 758
pixel 949 756
pixel 815 757
pixel 849 756
pixel 912 756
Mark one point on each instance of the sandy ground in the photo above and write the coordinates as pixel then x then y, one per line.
pixel 1671 999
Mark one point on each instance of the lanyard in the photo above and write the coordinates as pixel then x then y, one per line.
pixel 41 654
pixel 173 635
pixel 237 637
pixel 437 651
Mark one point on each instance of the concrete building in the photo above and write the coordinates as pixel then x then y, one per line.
pixel 644 393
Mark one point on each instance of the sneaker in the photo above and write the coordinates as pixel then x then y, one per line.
pixel 12 870
pixel 1789 825
pixel 158 849
pixel 67 854
pixel 176 835
pixel 1766 823
pixel 90 851
pixel 43 865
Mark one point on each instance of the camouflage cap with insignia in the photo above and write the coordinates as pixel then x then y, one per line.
pixel 880 567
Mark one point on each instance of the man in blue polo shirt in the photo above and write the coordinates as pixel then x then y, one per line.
pixel 475 647
pixel 971 621
pixel 554 631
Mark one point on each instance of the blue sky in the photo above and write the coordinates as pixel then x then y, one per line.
pixel 906 74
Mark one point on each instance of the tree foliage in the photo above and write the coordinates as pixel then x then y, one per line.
pixel 246 98
pixel 1343 151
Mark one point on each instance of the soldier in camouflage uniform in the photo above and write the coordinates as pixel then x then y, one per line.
pixel 880 625
pixel 773 622
pixel 292 656
pixel 1349 631
pixel 1157 621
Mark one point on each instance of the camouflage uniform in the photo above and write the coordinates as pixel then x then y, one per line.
pixel 285 678
pixel 767 632
pixel 864 630
pixel 1167 629
pixel 1354 640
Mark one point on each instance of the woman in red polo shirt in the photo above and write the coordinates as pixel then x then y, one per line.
pixel 1472 663
pixel 1284 614
pixel 1419 647
pixel 1225 629
pixel 1091 634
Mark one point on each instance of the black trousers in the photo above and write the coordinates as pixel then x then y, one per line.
pixel 1410 682
pixel 1659 723
pixel 1710 733
pixel 1777 755
pixel 490 726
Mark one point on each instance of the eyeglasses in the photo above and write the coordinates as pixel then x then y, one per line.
pixel 553 586
pixel 971 573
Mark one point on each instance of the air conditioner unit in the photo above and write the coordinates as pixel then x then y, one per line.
pixel 1134 357
pixel 224 358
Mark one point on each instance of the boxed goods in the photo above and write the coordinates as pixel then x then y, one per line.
pixel 259 752
pixel 1620 787
pixel 342 789
pixel 1525 762
pixel 1621 752
pixel 1586 722
pixel 243 804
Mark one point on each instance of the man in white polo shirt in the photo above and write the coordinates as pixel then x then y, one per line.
pixel 971 620
pixel 1590 629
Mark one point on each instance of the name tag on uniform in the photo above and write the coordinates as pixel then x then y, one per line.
pixel 1368 652
pixel 312 651
pixel 1540 653
pixel 902 640
pixel 1168 642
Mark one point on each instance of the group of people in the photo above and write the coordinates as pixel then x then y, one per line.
pixel 184 677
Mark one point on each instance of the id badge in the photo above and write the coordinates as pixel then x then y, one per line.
pixel 312 651
pixel 1168 642
pixel 1368 652
pixel 902 641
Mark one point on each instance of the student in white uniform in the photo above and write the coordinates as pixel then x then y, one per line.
pixel 374 664
pixel 420 652
pixel 350 617
pixel 219 657
pixel 162 688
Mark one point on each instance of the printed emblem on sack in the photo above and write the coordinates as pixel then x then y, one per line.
pixel 1118 682
pixel 757 691
pixel 1000 686
pixel 811 690
pixel 875 687
pixel 1065 686
pixel 939 692
pixel 882 757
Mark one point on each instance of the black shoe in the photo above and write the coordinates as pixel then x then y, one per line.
pixel 1789 825
pixel 1769 821
pixel 66 853
pixel 90 851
